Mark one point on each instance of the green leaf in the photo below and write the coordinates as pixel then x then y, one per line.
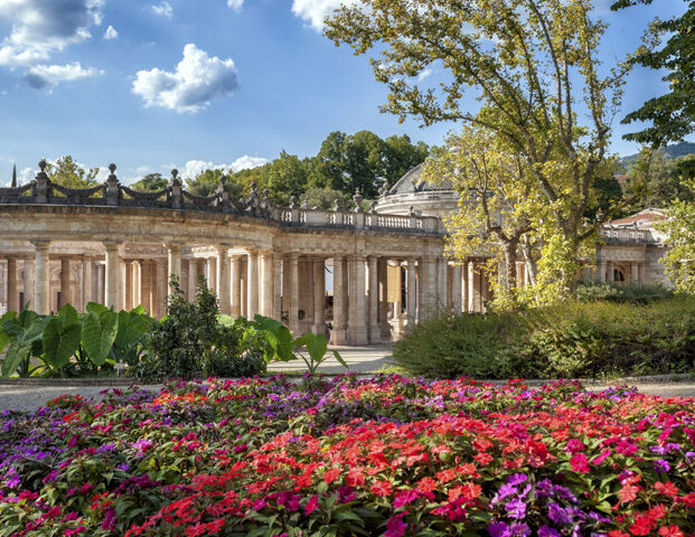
pixel 16 354
pixel 340 360
pixel 60 341
pixel 69 313
pixel 98 336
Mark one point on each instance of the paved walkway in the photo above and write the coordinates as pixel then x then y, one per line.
pixel 360 360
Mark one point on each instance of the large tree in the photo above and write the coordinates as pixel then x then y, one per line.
pixel 532 64
pixel 670 45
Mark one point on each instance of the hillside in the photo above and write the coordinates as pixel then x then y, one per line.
pixel 672 151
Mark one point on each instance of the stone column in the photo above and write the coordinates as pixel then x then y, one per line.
pixel 473 289
pixel 252 277
pixel 236 286
pixel 602 271
pixel 382 272
pixel 29 282
pixel 12 294
pixel 268 279
pixel 128 285
pixel 65 290
pixel 634 273
pixel 293 320
pixel 428 288
pixel 123 286
pixel 339 332
pixel 277 288
pixel 42 293
pixel 222 278
pixel 319 326
pixel 161 286
pixel 137 283
pixel 174 263
pixel 146 291
pixel 442 283
pixel 112 276
pixel 192 279
pixel 87 281
pixel 456 287
pixel 374 325
pixel 358 333
pixel 610 276
pixel 411 292
pixel 212 272
pixel 464 287
pixel 98 284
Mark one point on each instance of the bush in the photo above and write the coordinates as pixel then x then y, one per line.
pixel 190 341
pixel 574 339
pixel 629 292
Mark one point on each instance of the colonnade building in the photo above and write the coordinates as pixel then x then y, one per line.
pixel 358 277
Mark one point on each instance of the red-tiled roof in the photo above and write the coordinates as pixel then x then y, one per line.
pixel 647 216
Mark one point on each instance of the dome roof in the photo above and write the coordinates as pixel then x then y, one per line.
pixel 412 181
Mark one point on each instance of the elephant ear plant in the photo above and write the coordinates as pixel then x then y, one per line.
pixel 316 346
pixel 71 344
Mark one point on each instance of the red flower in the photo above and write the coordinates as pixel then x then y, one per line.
pixel 312 504
pixel 670 531
pixel 580 463
pixel 667 489
pixel 381 488
pixel 331 475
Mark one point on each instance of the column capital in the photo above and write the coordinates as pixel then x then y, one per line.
pixel 41 245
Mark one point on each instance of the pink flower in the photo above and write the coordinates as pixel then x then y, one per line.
pixel 312 504
pixel 580 463
pixel 395 527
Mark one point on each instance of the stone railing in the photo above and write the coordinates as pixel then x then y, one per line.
pixel 42 191
pixel 627 236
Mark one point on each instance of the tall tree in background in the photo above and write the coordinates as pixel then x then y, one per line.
pixel 66 172
pixel 672 115
pixel 533 64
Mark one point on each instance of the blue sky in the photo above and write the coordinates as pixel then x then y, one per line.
pixel 98 79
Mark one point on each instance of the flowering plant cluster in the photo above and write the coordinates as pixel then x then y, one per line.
pixel 385 456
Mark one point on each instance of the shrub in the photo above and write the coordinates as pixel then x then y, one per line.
pixel 190 341
pixel 573 339
pixel 628 292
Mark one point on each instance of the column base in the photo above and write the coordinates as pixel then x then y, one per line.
pixel 358 335
pixel 375 334
pixel 319 328
pixel 339 336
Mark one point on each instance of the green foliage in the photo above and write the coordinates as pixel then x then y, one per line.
pixel 573 339
pixel 66 172
pixel 71 344
pixel 627 292
pixel 672 115
pixel 192 340
pixel 316 346
pixel 530 64
pixel 151 182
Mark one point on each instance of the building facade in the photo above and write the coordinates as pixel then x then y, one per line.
pixel 358 277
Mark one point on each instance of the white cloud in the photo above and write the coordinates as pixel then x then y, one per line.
pixel 40 76
pixel 315 11
pixel 424 74
pixel 40 28
pixel 111 33
pixel 198 79
pixel 235 4
pixel 194 167
pixel 163 9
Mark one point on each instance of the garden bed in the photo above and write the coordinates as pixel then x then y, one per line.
pixel 342 456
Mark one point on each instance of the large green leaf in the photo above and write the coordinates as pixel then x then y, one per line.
pixel 132 328
pixel 98 336
pixel 69 313
pixel 316 345
pixel 97 309
pixel 60 341
pixel 16 354
pixel 5 337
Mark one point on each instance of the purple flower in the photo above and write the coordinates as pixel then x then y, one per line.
pixel 347 494
pixel 661 465
pixel 519 529
pixel 498 529
pixel 547 531
pixel 123 467
pixel 516 509
pixel 559 515
pixel 516 479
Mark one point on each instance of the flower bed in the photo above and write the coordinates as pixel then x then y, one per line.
pixel 388 456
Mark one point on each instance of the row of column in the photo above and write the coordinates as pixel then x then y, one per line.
pixel 605 272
